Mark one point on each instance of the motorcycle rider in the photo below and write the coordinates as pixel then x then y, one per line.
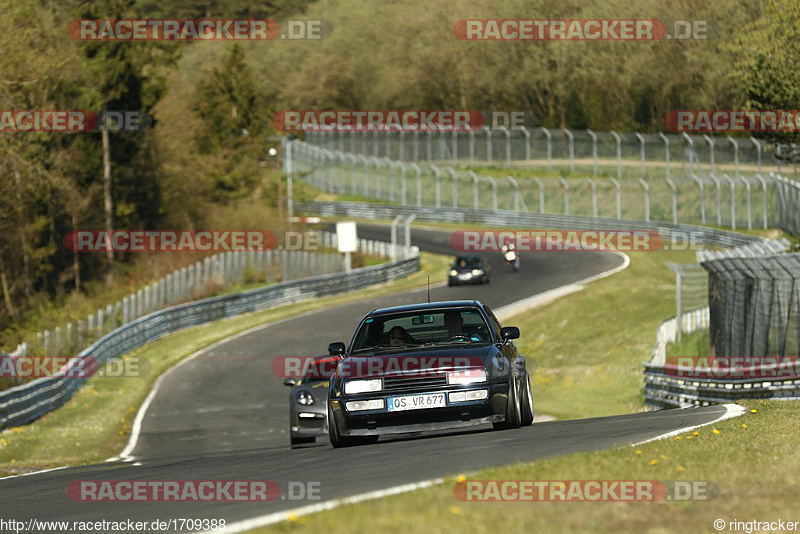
pixel 510 254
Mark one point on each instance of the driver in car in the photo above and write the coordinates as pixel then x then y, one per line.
pixel 454 324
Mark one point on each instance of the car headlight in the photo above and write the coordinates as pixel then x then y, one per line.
pixel 476 272
pixel 453 272
pixel 305 398
pixel 362 386
pixel 467 376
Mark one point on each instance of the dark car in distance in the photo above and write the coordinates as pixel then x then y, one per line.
pixel 308 401
pixel 423 367
pixel 470 269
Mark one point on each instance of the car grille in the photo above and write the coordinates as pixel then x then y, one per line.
pixel 414 383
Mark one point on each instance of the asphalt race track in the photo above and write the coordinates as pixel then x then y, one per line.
pixel 224 416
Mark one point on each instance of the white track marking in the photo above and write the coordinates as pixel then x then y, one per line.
pixel 36 472
pixel 731 411
pixel 277 517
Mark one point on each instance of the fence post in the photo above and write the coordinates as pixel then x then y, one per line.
pixel 619 198
pixel 429 145
pixel 419 182
pixel 758 151
pixel 719 199
pixel 527 135
pixel 618 139
pixel 454 176
pixel 674 201
pixel 735 154
pixel 402 149
pixel 68 339
pixel 566 195
pixel 571 140
pixel 594 150
pixel 475 201
pixel 494 192
pixel 594 197
pixel 666 152
pixel 733 200
pixel 549 137
pixel 112 320
pixel 125 310
pixel 764 196
pixel 454 148
pixel 438 185
pixel 489 148
pixel 508 145
pixel 472 147
pixel 415 147
pixel 749 214
pixel 641 152
pixel 691 151
pixel 646 199
pixel 541 194
pixel 702 197
pixel 711 154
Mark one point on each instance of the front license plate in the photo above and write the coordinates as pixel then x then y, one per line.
pixel 417 402
pixel 464 276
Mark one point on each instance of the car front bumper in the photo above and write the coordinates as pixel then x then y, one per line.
pixel 453 415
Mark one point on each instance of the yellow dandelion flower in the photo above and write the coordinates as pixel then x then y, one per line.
pixel 715 431
pixel 292 517
pixel 653 462
pixel 455 510
pixel 461 478
pixel 638 451
pixel 689 437
pixel 753 411
pixel 695 433
pixel 676 438
pixel 681 469
pixel 744 425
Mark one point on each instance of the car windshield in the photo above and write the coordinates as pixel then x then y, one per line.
pixel 420 328
pixel 467 261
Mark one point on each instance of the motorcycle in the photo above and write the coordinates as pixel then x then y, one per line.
pixel 512 260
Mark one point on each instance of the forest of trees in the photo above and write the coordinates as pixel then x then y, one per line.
pixel 212 101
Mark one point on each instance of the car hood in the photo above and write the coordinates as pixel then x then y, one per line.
pixel 442 358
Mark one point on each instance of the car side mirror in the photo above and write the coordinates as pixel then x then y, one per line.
pixel 509 332
pixel 336 348
pixel 290 382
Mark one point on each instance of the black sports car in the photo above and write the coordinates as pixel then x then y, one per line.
pixel 308 401
pixel 468 270
pixel 427 367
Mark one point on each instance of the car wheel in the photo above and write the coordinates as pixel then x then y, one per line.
pixel 526 402
pixel 338 441
pixel 513 415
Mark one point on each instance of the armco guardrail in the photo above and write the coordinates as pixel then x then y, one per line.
pixel 25 403
pixel 667 385
pixel 539 221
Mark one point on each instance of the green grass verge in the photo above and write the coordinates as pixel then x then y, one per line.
pixel 754 466
pixel 95 423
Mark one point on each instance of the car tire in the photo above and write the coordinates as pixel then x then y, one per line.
pixel 526 402
pixel 339 441
pixel 513 415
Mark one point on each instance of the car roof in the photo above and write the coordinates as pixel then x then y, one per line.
pixel 427 306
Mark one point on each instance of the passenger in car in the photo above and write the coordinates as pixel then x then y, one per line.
pixel 399 336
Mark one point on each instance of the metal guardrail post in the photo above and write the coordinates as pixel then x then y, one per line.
pixel 402 155
pixel 594 197
pixel 733 201
pixel 758 151
pixel 593 136
pixel 475 199
pixel 702 197
pixel 749 214
pixel 764 196
pixel 666 152
pixel 527 135
pixel 393 250
pixel 515 189
pixel 641 152
pixel 438 185
pixel 455 185
pixel 508 144
pixel 472 147
pixel 619 153
pixel 674 201
pixel 429 145
pixel 619 197
pixel 489 149
pixel 415 148
pixel 712 161
pixel 541 194
pixel 571 144
pixel 735 154
pixel 646 199
pixel 549 137
pixel 719 198
pixel 419 182
pixel 691 151
pixel 566 195
pixel 494 192
pixel 408 231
